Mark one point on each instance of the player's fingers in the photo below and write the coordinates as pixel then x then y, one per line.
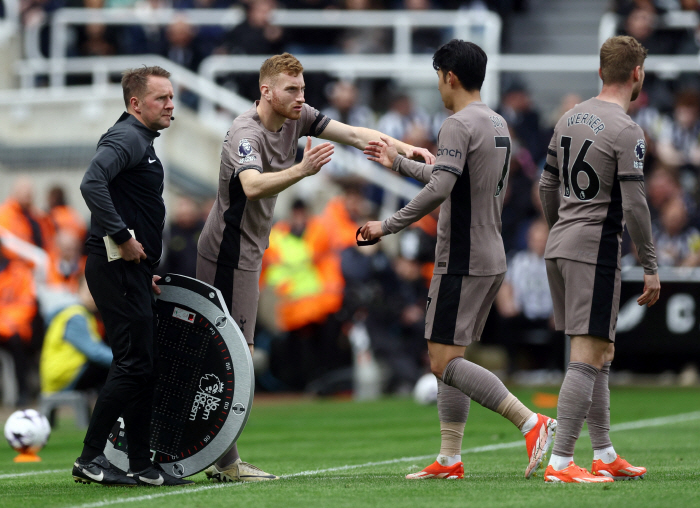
pixel 308 143
pixel 386 140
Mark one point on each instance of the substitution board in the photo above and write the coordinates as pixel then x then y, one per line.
pixel 204 389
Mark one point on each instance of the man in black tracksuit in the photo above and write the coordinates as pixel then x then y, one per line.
pixel 123 188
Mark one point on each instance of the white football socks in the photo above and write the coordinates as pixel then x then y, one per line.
pixel 529 424
pixel 558 462
pixel 607 455
pixel 445 460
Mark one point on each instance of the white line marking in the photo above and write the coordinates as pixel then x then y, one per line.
pixel 17 475
pixel 639 424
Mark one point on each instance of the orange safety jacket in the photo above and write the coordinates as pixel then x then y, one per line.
pixel 17 299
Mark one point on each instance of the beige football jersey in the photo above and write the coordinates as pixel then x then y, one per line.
pixel 474 145
pixel 595 145
pixel 237 230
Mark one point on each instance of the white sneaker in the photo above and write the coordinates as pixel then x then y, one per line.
pixel 239 471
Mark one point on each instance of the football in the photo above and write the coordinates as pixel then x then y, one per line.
pixel 27 431
pixel 425 391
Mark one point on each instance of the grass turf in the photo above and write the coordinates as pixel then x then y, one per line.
pixel 324 436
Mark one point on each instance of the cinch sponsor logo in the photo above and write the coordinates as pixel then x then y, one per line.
pixel 449 151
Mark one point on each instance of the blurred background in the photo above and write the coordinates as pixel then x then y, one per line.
pixel 333 318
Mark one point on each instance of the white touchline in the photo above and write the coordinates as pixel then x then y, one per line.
pixel 639 424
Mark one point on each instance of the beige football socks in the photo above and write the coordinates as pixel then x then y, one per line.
pixel 453 411
pixel 515 411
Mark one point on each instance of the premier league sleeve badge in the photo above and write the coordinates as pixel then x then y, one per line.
pixel 205 382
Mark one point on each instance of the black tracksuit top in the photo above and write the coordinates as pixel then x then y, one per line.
pixel 123 188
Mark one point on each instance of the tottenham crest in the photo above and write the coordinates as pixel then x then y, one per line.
pixel 640 149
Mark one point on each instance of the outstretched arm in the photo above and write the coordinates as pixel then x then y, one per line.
pixel 257 185
pixel 360 137
pixel 385 153
pixel 438 189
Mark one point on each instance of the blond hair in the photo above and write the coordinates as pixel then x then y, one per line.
pixel 278 64
pixel 618 58
pixel 135 81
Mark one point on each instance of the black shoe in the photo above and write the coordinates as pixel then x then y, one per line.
pixel 99 470
pixel 154 476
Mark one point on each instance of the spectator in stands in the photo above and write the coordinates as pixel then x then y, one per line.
pixel 365 40
pixel 663 186
pixel 679 140
pixel 424 40
pixel 66 262
pixel 518 205
pixel 179 47
pixel 63 216
pixel 396 318
pixel 305 277
pixel 517 109
pixel 73 356
pixel 255 36
pixel 19 216
pixel 182 237
pixel 344 107
pixel 403 115
pixel 676 241
pixel 17 308
pixel 525 304
pixel 344 213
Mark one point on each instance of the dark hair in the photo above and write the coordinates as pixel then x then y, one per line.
pixel 56 197
pixel 466 60
pixel 135 81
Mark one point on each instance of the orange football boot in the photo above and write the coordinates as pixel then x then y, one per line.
pixel 573 474
pixel 538 441
pixel 438 471
pixel 619 469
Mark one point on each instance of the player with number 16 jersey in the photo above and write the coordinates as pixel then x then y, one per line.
pixel 595 146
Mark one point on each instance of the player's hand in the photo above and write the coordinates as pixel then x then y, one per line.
pixel 154 286
pixel 416 152
pixel 384 152
pixel 315 158
pixel 132 250
pixel 652 289
pixel 372 230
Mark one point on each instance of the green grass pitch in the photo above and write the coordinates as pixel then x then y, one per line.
pixel 339 453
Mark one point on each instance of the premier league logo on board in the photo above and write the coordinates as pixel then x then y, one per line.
pixel 640 149
pixel 244 148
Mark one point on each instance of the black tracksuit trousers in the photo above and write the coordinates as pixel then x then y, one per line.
pixel 123 294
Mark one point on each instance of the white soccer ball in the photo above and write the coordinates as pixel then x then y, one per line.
pixel 27 430
pixel 425 391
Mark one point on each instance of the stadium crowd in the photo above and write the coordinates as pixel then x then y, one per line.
pixel 317 286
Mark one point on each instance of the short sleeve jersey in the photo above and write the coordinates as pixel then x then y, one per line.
pixel 237 230
pixel 474 145
pixel 595 145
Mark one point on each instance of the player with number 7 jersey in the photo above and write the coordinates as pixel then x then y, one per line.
pixel 468 181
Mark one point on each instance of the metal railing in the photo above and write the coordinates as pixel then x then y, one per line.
pixel 9 24
pixel 465 24
pixel 675 20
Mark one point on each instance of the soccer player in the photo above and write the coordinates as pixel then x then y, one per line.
pixel 591 186
pixel 469 181
pixel 257 163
